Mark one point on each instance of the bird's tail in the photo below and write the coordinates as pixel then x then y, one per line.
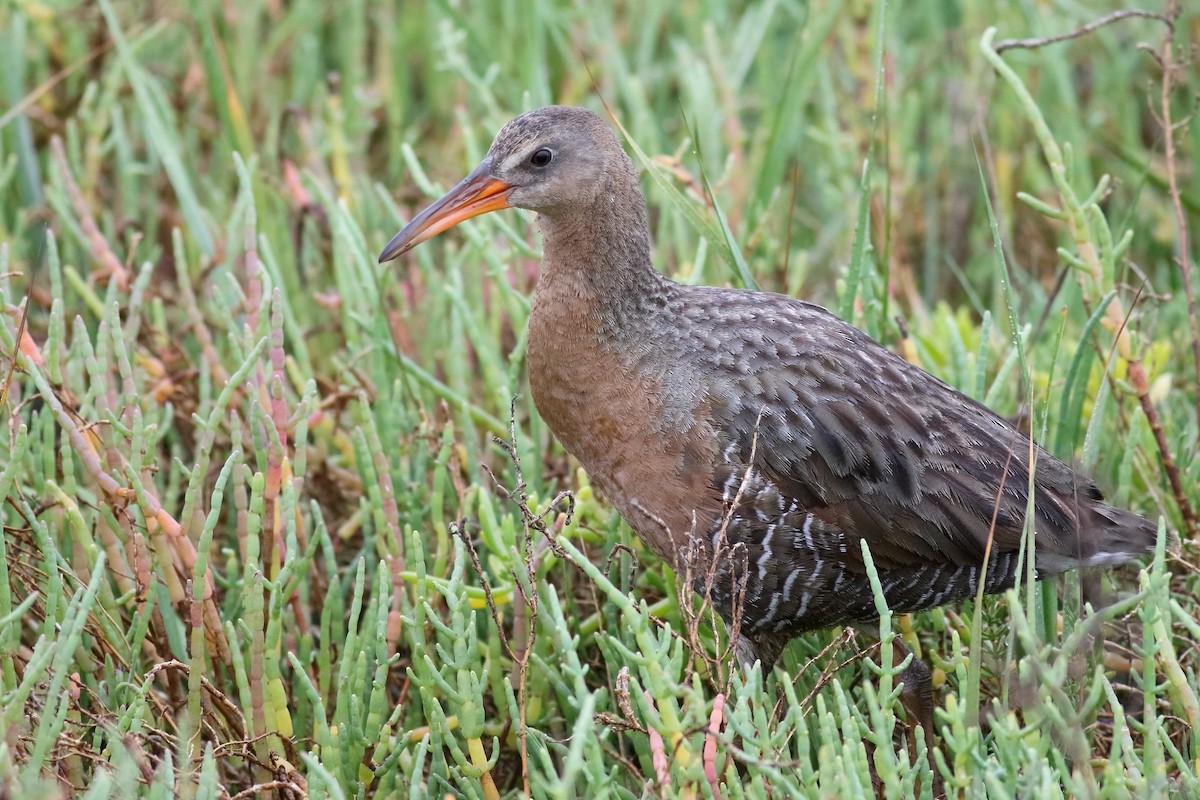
pixel 1107 536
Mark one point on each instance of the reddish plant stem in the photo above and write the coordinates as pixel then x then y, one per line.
pixel 1141 385
pixel 1184 260
pixel 113 269
pixel 120 495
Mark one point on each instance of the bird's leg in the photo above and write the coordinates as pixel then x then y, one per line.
pixel 764 649
pixel 917 694
pixel 917 698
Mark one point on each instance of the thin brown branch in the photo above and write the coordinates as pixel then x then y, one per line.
pixel 264 789
pixel 1165 58
pixel 1094 25
pixel 525 615
pixel 1141 385
pixel 458 530
pixel 846 637
pixel 22 327
pixel 42 89
pixel 219 699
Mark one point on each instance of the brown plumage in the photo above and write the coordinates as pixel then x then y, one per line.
pixel 699 410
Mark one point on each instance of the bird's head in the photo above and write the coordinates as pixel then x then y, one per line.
pixel 547 160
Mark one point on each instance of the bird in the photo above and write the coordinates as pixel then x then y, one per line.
pixel 754 440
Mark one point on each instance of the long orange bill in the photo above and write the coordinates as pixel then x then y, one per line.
pixel 476 194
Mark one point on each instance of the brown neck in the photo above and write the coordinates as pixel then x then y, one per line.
pixel 599 256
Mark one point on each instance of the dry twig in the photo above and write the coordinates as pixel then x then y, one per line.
pixel 531 522
pixel 1094 25
pixel 1165 58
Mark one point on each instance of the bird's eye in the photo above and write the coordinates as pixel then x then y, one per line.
pixel 541 157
